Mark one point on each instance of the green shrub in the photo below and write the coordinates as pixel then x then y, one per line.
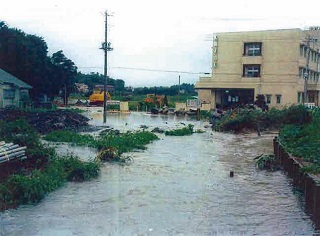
pixel 240 120
pixel 302 140
pixel 77 170
pixel 32 188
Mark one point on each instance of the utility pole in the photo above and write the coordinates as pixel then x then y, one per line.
pixel 306 74
pixel 106 47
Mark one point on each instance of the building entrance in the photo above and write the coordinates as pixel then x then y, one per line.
pixel 231 98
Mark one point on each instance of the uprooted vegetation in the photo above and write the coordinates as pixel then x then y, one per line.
pixel 267 162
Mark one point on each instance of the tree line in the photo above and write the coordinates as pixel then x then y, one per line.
pixel 163 90
pixel 26 57
pixel 93 79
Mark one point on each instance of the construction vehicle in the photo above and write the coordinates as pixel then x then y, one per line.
pixel 155 100
pixel 97 97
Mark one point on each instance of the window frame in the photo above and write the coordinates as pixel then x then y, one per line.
pixel 251 72
pixel 278 98
pixel 268 98
pixel 254 47
pixel 9 94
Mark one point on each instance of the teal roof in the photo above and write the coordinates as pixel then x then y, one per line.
pixel 6 78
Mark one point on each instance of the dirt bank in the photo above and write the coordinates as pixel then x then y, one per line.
pixel 47 121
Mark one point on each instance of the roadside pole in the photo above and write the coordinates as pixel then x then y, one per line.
pixel 106 47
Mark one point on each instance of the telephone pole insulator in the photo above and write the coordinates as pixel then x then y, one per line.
pixel 106 46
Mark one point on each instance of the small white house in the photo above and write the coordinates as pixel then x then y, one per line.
pixel 13 92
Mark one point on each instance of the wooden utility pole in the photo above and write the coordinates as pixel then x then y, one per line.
pixel 106 46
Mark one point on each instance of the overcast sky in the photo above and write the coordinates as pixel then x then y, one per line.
pixel 161 35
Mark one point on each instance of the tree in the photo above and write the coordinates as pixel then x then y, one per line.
pixel 26 57
pixel 63 76
pixel 261 102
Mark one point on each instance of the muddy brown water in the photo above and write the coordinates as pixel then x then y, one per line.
pixel 178 186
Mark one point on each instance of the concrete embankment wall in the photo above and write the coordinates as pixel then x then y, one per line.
pixel 310 184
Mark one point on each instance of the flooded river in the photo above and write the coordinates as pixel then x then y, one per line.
pixel 178 186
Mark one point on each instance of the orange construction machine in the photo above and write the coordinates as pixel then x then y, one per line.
pixel 97 97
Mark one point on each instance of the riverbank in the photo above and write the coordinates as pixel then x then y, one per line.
pixel 177 186
pixel 29 180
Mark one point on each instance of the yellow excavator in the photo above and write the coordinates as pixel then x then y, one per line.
pixel 97 97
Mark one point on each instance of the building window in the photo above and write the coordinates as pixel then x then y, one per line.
pixel 252 49
pixel 301 50
pixel 9 93
pixel 278 99
pixel 251 70
pixel 24 94
pixel 268 98
pixel 300 97
pixel 305 52
pixel 300 72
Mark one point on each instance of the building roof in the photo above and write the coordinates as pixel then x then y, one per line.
pixel 6 78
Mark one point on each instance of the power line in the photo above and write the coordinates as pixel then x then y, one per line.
pixel 146 69
pixel 157 70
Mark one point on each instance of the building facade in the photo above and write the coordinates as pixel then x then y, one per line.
pixel 13 92
pixel 280 64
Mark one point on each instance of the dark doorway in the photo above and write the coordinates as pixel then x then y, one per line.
pixel 231 98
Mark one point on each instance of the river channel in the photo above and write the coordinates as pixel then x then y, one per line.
pixel 178 186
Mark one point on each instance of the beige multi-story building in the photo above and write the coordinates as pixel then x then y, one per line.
pixel 280 64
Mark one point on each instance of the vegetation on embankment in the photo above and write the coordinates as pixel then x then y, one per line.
pixel 298 131
pixel 241 120
pixel 29 180
pixel 303 140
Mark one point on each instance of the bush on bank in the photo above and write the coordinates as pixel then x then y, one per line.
pixel 240 120
pixel 22 188
pixel 303 140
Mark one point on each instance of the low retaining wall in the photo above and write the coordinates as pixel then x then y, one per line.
pixel 310 184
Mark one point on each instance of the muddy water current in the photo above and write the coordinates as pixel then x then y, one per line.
pixel 178 186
